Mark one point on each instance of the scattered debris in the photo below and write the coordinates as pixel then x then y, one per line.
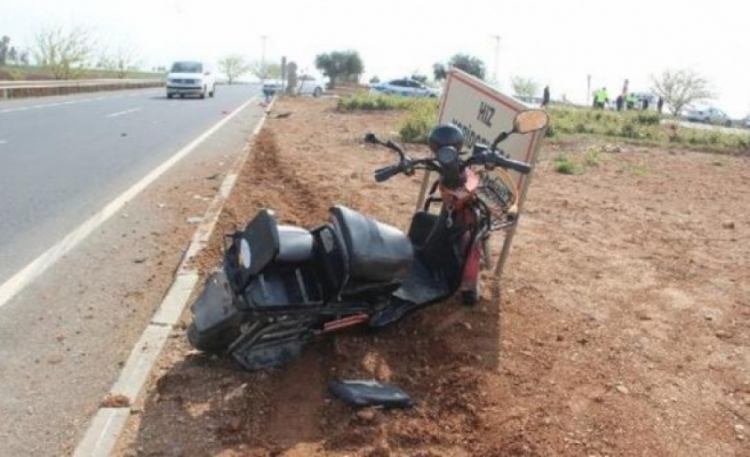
pixel 361 393
pixel 622 389
pixel 115 401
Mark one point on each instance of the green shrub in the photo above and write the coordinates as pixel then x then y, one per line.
pixel 566 166
pixel 593 156
pixel 648 118
pixel 367 102
pixel 422 118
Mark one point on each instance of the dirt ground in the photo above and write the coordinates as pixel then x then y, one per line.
pixel 620 327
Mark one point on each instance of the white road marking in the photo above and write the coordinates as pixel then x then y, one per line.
pixel 71 102
pixel 39 265
pixel 120 113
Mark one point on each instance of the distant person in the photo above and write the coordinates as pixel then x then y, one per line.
pixel 619 102
pixel 645 104
pixel 601 98
pixel 545 97
pixel 631 101
pixel 660 104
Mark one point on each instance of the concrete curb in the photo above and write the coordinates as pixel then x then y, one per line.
pixel 108 423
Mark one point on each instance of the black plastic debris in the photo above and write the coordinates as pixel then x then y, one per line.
pixel 361 393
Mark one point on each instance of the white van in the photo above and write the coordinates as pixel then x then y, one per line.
pixel 191 77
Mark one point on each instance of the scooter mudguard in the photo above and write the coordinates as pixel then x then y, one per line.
pixel 214 310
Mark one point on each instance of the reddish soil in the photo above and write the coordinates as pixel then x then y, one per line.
pixel 620 326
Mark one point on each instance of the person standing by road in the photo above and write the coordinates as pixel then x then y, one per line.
pixel 619 101
pixel 601 98
pixel 660 104
pixel 545 97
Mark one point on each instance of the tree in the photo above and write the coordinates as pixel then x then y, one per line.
pixel 420 78
pixel 24 58
pixel 265 70
pixel 4 48
pixel 340 64
pixel 680 88
pixel 233 66
pixel 64 52
pixel 13 55
pixel 120 61
pixel 470 64
pixel 439 71
pixel 374 80
pixel 524 87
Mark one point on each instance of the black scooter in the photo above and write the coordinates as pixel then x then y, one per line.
pixel 280 286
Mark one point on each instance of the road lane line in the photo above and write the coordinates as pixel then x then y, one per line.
pixel 120 113
pixel 71 102
pixel 39 265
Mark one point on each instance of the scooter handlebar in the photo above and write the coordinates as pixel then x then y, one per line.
pixel 516 165
pixel 386 173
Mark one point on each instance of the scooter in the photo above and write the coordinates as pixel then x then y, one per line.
pixel 279 287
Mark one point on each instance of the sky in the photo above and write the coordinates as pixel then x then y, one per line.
pixel 555 42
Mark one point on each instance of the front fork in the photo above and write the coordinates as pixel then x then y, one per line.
pixel 476 247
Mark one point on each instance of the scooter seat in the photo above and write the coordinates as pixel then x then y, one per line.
pixel 376 251
pixel 295 244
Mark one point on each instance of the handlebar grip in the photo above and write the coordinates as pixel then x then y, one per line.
pixel 386 173
pixel 516 165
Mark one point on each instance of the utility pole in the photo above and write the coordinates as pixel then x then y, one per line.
pixel 497 58
pixel 263 57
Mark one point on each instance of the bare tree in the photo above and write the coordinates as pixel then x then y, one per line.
pixel 267 71
pixel 680 88
pixel 524 87
pixel 121 61
pixel 234 66
pixel 64 52
pixel 4 49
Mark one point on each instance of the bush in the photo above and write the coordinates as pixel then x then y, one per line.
pixel 367 102
pixel 648 118
pixel 422 118
pixel 564 165
pixel 593 156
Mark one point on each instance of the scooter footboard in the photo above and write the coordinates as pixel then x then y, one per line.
pixel 216 318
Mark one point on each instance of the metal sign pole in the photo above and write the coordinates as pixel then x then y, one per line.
pixel 508 241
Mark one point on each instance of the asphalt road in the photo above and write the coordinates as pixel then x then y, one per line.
pixel 63 159
pixel 64 337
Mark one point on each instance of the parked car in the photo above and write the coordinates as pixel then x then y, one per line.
pixel 709 115
pixel 191 77
pixel 651 98
pixel 310 85
pixel 405 87
pixel 306 85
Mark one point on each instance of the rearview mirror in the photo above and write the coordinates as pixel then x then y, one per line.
pixel 530 121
